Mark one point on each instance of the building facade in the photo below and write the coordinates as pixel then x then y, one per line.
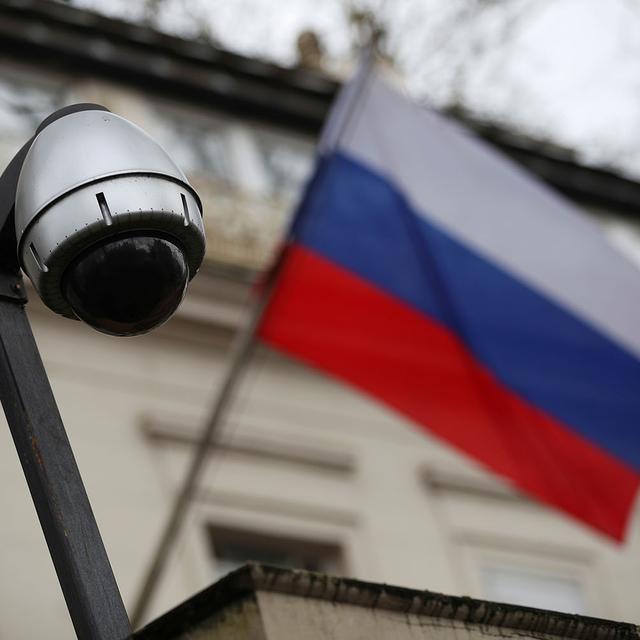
pixel 309 473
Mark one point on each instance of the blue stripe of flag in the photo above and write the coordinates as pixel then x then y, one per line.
pixel 535 347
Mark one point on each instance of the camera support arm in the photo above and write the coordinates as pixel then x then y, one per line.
pixel 11 285
pixel 65 514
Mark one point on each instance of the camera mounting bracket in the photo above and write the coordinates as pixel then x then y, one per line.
pixel 11 283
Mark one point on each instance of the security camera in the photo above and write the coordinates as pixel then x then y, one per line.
pixel 108 228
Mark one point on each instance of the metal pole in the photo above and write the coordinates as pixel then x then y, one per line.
pixel 70 529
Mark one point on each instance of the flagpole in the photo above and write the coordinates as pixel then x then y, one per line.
pixel 240 354
pixel 241 351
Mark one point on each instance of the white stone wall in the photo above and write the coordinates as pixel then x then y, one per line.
pixel 304 457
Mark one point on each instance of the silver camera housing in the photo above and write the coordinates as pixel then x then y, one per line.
pixel 92 175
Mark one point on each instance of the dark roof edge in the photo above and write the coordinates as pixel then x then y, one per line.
pixel 52 34
pixel 62 37
pixel 60 13
pixel 251 578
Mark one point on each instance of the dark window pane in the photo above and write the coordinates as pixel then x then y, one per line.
pixel 233 548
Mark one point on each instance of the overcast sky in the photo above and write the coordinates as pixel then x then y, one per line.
pixel 565 70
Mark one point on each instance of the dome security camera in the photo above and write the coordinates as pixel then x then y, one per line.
pixel 108 228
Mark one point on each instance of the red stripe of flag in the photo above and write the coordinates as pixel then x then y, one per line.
pixel 339 322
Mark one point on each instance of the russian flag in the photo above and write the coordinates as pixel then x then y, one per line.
pixel 431 272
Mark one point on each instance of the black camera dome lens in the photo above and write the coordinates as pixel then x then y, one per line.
pixel 127 285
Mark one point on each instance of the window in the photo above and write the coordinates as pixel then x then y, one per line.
pixel 507 548
pixel 196 143
pixel 232 548
pixel 24 105
pixel 287 162
pixel 541 589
